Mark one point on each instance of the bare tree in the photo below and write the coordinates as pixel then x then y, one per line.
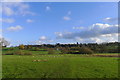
pixel 4 42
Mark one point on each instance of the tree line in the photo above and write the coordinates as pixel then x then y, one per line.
pixel 111 47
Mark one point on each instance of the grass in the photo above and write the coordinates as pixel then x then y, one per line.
pixel 33 52
pixel 59 66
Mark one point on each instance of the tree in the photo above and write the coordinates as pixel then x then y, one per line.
pixel 21 46
pixel 29 47
pixel 4 43
pixel 85 50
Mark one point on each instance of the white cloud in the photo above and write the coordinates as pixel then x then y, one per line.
pixel 78 39
pixel 111 20
pixel 90 40
pixel 66 18
pixel 96 33
pixel 100 39
pixel 38 42
pixel 48 8
pixel 59 34
pixel 7 11
pixel 78 27
pixel 29 20
pixel 96 40
pixel 43 40
pixel 107 35
pixel 7 20
pixel 16 28
pixel 16 8
pixel 108 18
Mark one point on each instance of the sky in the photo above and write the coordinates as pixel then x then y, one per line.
pixel 59 22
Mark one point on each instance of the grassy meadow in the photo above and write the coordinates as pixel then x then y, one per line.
pixel 59 66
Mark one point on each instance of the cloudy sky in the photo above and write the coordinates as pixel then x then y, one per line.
pixel 64 22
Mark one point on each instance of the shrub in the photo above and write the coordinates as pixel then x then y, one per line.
pixel 85 50
pixel 29 47
pixel 51 51
pixel 19 52
pixel 27 53
pixel 11 48
pixel 65 50
pixel 76 50
pixel 32 49
pixel 9 53
pixel 35 49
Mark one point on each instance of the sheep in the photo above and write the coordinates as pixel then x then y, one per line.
pixel 40 60
pixel 34 60
pixel 45 60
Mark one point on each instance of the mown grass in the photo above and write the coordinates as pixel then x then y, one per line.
pixel 59 66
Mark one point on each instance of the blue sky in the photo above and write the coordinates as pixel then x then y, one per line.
pixel 64 22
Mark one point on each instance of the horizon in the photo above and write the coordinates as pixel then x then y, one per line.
pixel 64 44
pixel 48 23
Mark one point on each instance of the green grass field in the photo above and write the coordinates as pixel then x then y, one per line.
pixel 59 66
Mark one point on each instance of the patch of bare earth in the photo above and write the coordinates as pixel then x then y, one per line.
pixel 108 55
